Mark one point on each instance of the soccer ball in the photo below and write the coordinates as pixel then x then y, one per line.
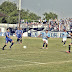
pixel 24 47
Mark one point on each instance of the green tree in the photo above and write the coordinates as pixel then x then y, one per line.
pixel 50 15
pixel 10 9
pixel 33 16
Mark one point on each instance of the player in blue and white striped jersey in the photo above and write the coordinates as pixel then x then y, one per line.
pixel 45 36
pixel 19 34
pixel 65 34
pixel 8 39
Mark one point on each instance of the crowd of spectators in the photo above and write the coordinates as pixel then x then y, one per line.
pixel 60 25
pixel 65 24
pixel 54 25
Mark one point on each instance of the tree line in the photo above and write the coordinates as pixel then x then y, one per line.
pixel 12 14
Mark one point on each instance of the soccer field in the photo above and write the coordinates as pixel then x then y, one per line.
pixel 35 59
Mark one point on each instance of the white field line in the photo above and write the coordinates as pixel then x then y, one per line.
pixel 15 66
pixel 35 64
pixel 28 53
pixel 25 53
pixel 34 38
pixel 60 62
pixel 20 61
pixel 18 66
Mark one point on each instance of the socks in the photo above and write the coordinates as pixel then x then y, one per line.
pixel 17 40
pixel 4 46
pixel 12 44
pixel 46 45
pixel 43 44
pixel 69 48
pixel 64 42
pixel 21 40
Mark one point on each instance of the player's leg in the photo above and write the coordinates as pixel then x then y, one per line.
pixel 46 44
pixel 64 42
pixel 21 40
pixel 69 48
pixel 5 45
pixel 43 43
pixel 18 39
pixel 12 42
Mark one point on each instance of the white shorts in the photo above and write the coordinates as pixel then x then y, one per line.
pixel 45 40
pixel 64 39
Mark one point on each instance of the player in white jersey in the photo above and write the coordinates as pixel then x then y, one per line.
pixel 65 34
pixel 45 36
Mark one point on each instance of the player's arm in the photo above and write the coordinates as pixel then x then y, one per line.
pixel 7 36
pixel 68 33
pixel 39 35
pixel 62 34
pixel 15 34
pixel 22 33
pixel 71 35
pixel 48 36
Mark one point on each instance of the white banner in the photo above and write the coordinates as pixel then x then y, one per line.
pixel 52 34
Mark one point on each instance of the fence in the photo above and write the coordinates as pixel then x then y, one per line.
pixel 52 34
pixel 35 34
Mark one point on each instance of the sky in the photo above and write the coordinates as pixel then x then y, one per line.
pixel 63 8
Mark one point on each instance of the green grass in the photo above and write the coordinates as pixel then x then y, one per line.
pixel 35 59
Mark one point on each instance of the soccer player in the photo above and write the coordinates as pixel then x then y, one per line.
pixel 45 36
pixel 65 34
pixel 70 43
pixel 21 33
pixel 18 34
pixel 8 39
